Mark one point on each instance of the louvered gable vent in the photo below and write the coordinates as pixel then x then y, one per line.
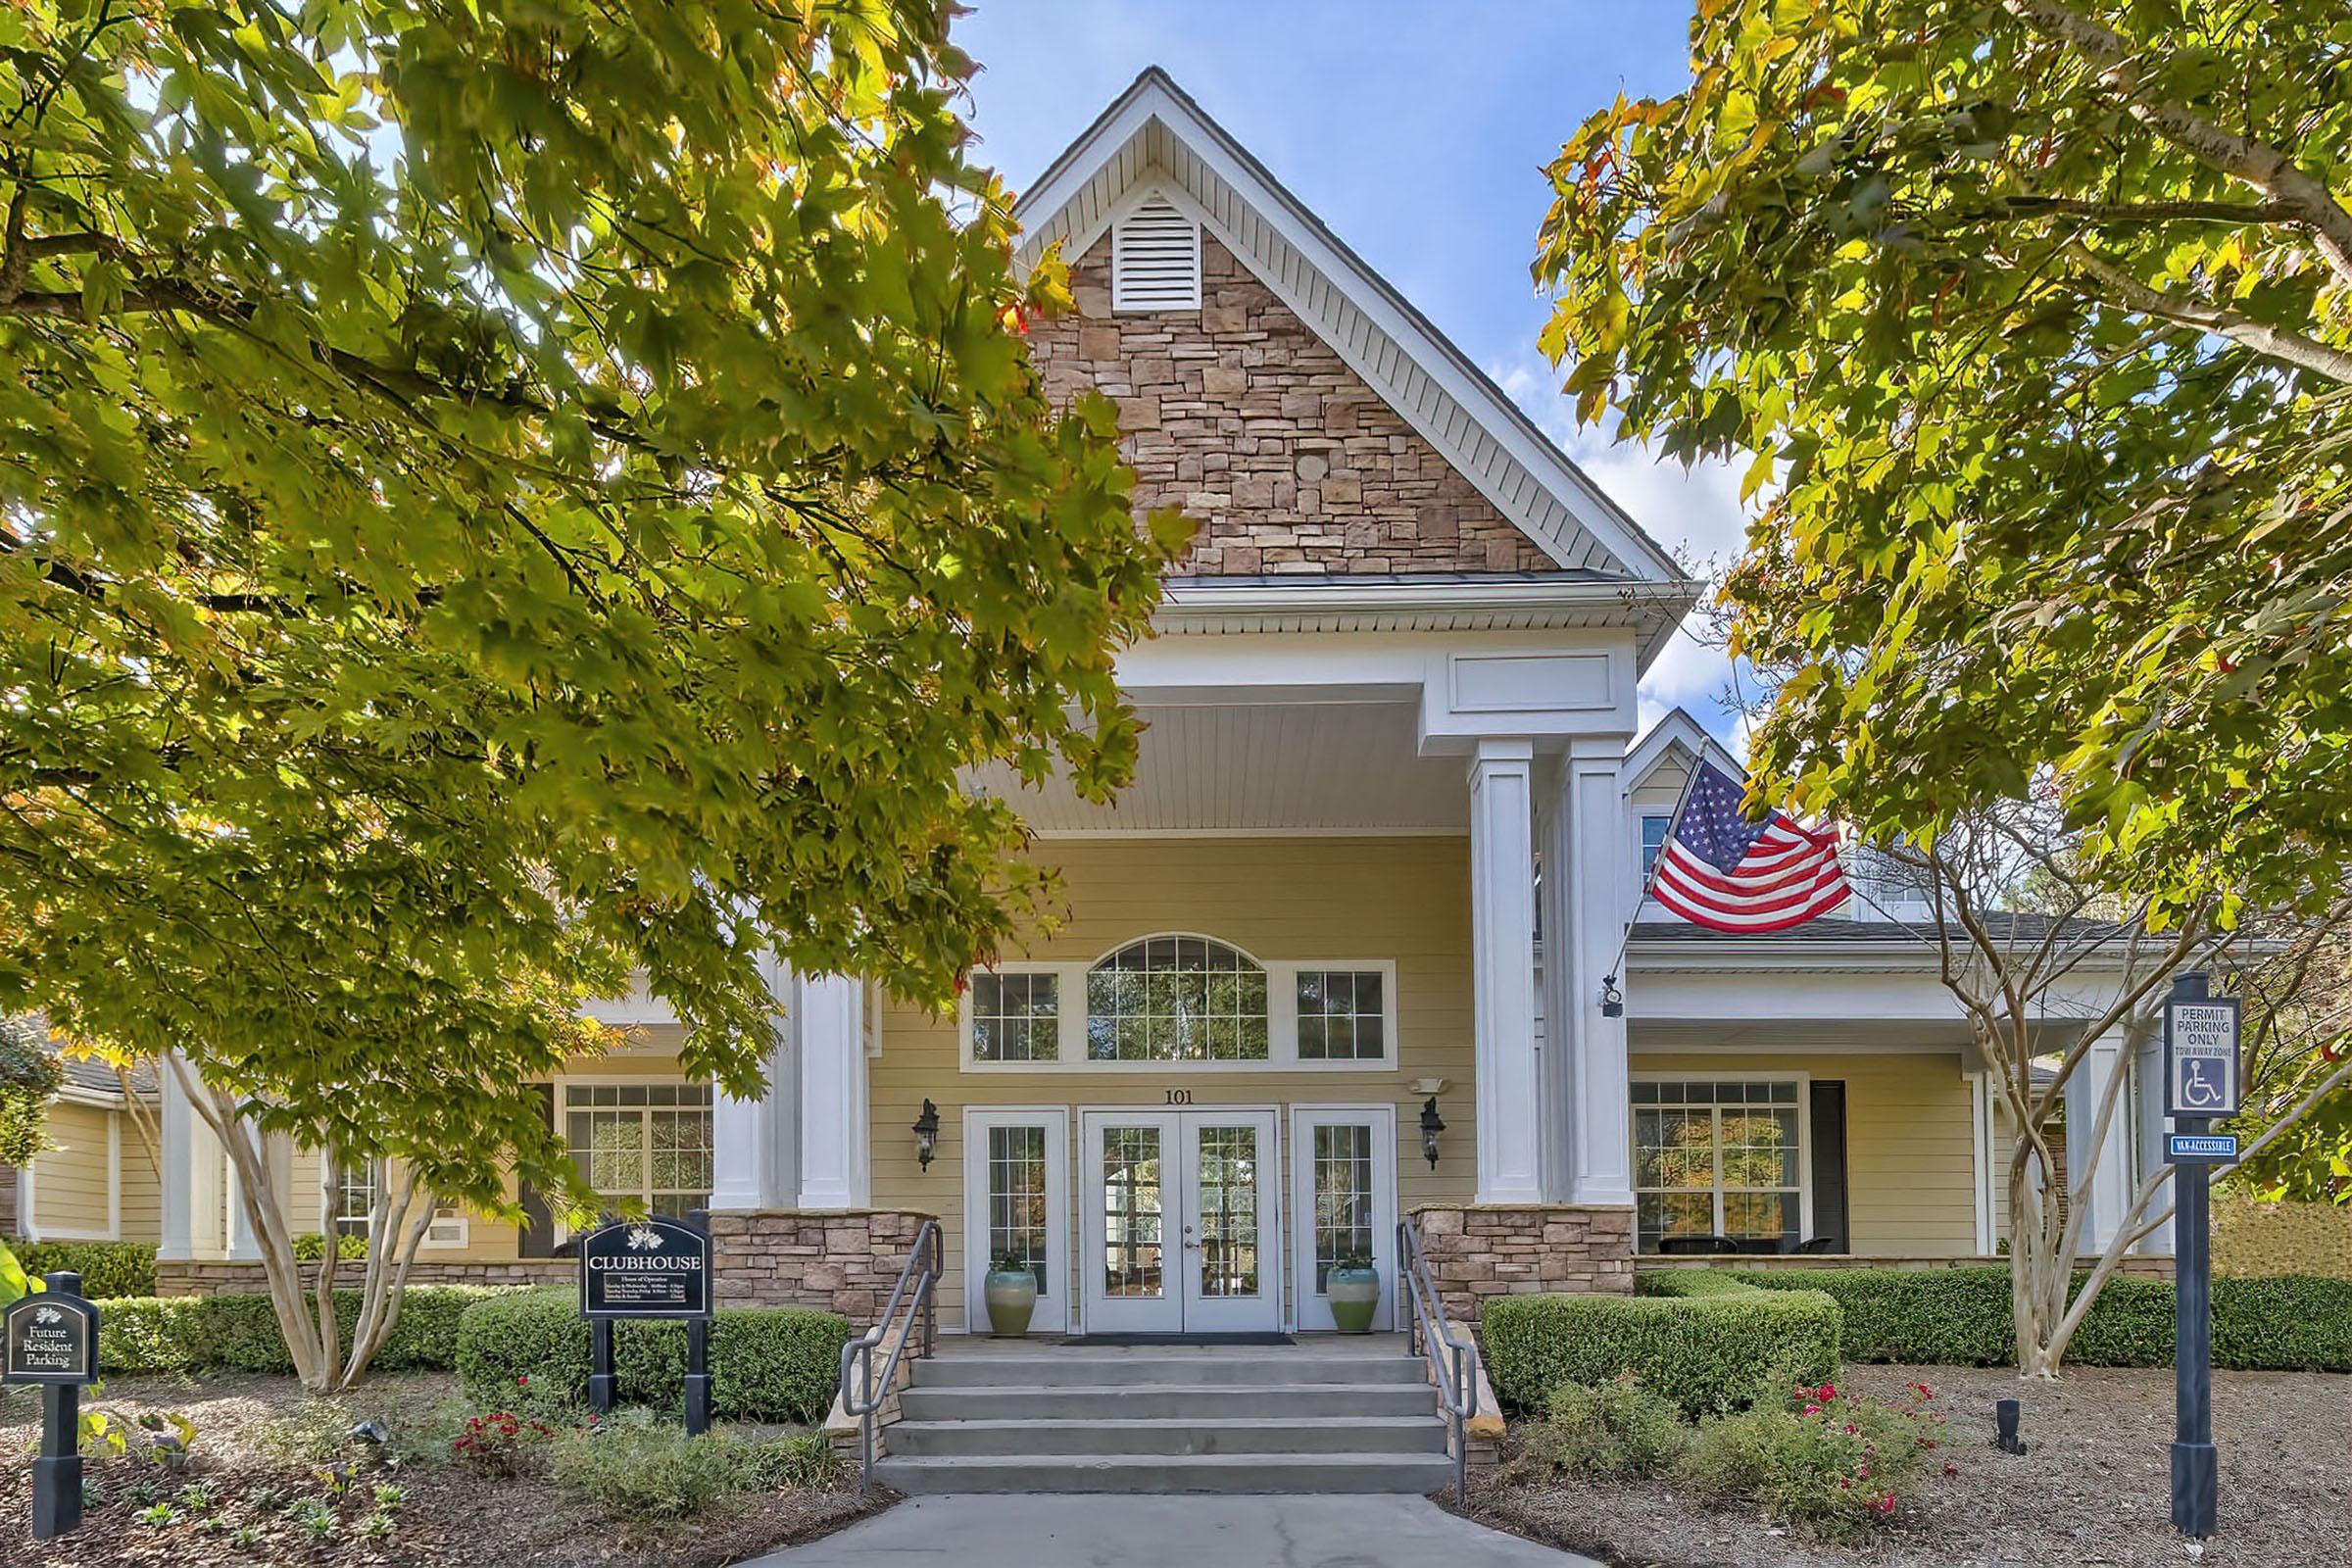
pixel 1155 259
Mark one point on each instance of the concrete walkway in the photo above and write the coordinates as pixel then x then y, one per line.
pixel 1061 1530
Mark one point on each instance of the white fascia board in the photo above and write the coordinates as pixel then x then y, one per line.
pixel 1195 605
pixel 1676 731
pixel 1154 96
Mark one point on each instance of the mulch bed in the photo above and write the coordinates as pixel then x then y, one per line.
pixel 2092 1490
pixel 450 1514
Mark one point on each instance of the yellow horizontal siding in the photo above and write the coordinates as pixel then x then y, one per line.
pixel 1910 1159
pixel 71 1178
pixel 1405 900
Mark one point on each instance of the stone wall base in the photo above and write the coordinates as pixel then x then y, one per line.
pixel 834 1261
pixel 181 1277
pixel 1477 1251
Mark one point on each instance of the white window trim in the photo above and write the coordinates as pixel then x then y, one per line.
pixel 1282 1020
pixel 1804 1145
pixel 1053 1314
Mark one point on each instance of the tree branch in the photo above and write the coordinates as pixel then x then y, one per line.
pixel 2267 170
pixel 2274 342
pixel 2154 212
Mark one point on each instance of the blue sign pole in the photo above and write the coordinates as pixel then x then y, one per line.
pixel 2196 1467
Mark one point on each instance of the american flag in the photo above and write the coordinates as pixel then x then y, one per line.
pixel 1720 870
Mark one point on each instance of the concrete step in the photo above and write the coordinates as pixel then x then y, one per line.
pixel 1154 1473
pixel 1145 1367
pixel 1211 1402
pixel 1258 1434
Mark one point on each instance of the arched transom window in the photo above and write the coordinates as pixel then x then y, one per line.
pixel 1176 998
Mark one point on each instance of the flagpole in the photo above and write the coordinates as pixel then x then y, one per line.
pixel 1608 982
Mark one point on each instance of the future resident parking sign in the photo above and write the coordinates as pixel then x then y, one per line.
pixel 2200 1056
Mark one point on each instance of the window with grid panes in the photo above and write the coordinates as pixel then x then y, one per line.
pixel 647 1141
pixel 1714 1159
pixel 1342 1015
pixel 1016 1017
pixel 1176 998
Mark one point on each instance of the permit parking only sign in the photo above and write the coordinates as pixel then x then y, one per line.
pixel 2200 1056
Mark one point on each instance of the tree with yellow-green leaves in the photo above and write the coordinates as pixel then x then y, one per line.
pixel 2030 323
pixel 494 497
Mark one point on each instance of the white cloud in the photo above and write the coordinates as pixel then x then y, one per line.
pixel 1694 512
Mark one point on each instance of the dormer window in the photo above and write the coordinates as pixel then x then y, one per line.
pixel 1155 259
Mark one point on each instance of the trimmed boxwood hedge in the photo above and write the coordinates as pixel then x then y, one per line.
pixel 238 1333
pixel 107 1268
pixel 766 1363
pixel 1701 1340
pixel 1961 1318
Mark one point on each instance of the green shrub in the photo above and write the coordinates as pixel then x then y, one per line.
pixel 1961 1318
pixel 107 1268
pixel 238 1333
pixel 1834 1464
pixel 635 1470
pixel 1620 1428
pixel 1701 1345
pixel 796 1459
pixel 766 1363
pixel 310 1247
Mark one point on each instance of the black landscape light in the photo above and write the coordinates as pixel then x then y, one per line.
pixel 1431 1124
pixel 2005 1414
pixel 927 1133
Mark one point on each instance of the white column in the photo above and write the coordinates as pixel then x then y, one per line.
pixel 829 1032
pixel 2147 1058
pixel 1601 1106
pixel 754 1142
pixel 1503 941
pixel 2108 1166
pixel 1556 1055
pixel 243 1245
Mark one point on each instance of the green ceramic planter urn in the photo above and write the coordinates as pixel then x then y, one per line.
pixel 1352 1288
pixel 1012 1292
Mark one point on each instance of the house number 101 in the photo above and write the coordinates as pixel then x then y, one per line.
pixel 1180 1097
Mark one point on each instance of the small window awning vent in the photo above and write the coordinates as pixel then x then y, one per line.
pixel 1155 259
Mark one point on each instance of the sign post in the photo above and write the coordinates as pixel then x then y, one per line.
pixel 2201 1085
pixel 52 1340
pixel 650 1268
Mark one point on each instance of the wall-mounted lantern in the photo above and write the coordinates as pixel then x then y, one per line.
pixel 1612 999
pixel 1431 1124
pixel 927 1133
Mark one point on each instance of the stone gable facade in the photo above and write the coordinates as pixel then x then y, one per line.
pixel 1241 416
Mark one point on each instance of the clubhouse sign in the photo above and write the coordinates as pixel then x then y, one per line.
pixel 644 1268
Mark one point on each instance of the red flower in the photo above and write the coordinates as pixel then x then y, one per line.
pixel 1950 1469
pixel 1886 1503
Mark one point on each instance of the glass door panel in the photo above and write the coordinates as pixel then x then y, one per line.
pixel 1128 1171
pixel 1016 1206
pixel 1230 1280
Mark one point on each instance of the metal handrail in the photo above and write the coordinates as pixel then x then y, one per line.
pixel 865 1394
pixel 1458 1393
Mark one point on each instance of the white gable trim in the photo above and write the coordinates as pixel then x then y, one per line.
pixel 1156 136
pixel 1676 733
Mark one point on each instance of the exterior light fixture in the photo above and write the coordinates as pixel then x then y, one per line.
pixel 927 1133
pixel 1612 999
pixel 2005 1413
pixel 1431 1124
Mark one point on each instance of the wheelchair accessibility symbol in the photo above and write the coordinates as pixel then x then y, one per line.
pixel 2200 1085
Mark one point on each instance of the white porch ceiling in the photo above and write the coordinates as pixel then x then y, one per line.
pixel 1299 768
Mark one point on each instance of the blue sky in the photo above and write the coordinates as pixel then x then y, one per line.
pixel 1418 132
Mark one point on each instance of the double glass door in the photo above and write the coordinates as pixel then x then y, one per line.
pixel 1180 1218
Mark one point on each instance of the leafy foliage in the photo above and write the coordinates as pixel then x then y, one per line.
pixel 1833 1463
pixel 766 1363
pixel 2032 322
pixel 1613 1429
pixel 1960 1317
pixel 498 497
pixel 107 1268
pixel 1711 1343
pixel 240 1332
pixel 28 1076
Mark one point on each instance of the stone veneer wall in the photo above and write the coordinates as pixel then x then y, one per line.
pixel 836 1261
pixel 1241 416
pixel 1476 1252
pixel 181 1278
